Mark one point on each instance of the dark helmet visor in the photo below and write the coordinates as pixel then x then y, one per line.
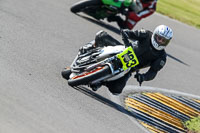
pixel 161 40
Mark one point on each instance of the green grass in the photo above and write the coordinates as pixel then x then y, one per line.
pixel 193 124
pixel 186 11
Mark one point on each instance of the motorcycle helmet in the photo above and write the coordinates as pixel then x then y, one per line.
pixel 161 37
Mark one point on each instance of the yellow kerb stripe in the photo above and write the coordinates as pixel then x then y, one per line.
pixel 196 100
pixel 151 128
pixel 173 104
pixel 154 112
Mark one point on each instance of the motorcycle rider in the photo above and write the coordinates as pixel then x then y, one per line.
pixel 149 48
pixel 139 9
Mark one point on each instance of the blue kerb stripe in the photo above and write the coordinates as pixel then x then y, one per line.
pixel 160 106
pixel 188 102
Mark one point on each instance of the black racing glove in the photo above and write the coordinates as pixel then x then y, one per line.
pixel 139 77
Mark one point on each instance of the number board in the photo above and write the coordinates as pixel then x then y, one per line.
pixel 128 58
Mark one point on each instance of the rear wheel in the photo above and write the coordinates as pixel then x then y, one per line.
pixel 77 7
pixel 87 77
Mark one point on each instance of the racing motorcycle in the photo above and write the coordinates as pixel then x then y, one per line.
pixel 100 65
pixel 100 9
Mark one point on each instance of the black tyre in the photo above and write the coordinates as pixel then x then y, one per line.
pixel 77 7
pixel 66 73
pixel 86 78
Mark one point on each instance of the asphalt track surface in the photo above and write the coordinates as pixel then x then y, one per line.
pixel 38 38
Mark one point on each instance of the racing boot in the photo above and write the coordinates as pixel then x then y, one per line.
pixel 95 43
pixel 103 39
pixel 89 46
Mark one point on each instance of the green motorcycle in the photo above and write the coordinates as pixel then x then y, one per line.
pixel 100 9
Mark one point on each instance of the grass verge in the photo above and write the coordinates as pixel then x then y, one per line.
pixel 186 11
pixel 193 125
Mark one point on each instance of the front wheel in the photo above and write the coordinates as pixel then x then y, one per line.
pixel 87 77
pixel 66 73
pixel 77 7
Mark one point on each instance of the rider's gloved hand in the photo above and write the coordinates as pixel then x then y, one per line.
pixel 139 77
